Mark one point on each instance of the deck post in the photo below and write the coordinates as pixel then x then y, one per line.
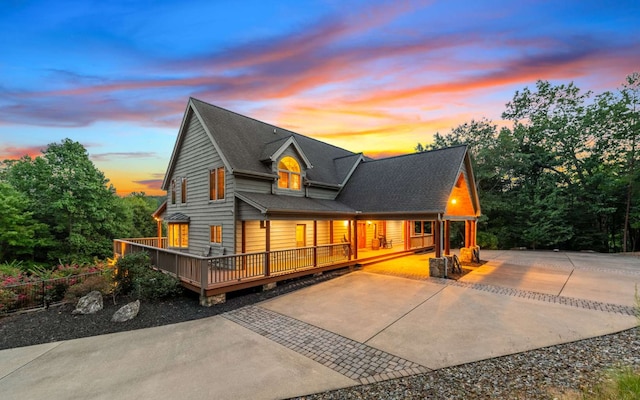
pixel 204 278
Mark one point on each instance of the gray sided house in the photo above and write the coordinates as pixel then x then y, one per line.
pixel 236 185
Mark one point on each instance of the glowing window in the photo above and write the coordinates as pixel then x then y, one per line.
pixel 289 174
pixel 178 235
pixel 216 184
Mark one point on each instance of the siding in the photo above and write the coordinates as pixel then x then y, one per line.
pixel 318 193
pixel 253 185
pixel 395 232
pixel 195 158
pixel 283 235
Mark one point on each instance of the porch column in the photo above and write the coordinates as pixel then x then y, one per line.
pixel 349 233
pixel 467 233
pixel 267 247
pixel 315 243
pixel 243 244
pixel 474 231
pixel 447 243
pixel 437 238
pixel 355 239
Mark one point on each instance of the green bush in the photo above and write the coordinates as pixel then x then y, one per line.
pixel 135 275
pixel 102 283
pixel 487 241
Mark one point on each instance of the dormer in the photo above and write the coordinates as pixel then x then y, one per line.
pixel 290 163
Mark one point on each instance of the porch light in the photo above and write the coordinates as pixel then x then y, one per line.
pixel 454 201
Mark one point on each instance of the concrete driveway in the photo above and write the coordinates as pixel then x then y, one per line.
pixel 359 328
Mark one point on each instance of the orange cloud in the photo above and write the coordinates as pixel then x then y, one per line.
pixel 15 153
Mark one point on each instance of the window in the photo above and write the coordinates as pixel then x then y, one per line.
pixel 301 235
pixel 178 235
pixel 173 191
pixel 183 190
pixel 289 174
pixel 216 233
pixel 421 228
pixel 216 184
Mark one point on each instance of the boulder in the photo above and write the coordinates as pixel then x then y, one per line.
pixel 89 304
pixel 126 312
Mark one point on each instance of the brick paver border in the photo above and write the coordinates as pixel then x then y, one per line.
pixel 355 360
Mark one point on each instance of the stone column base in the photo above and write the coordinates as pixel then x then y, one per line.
pixel 466 254
pixel 208 301
pixel 437 266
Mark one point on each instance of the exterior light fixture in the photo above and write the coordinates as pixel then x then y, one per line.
pixel 454 201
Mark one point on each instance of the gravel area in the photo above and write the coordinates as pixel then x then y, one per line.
pixel 547 373
pixel 555 372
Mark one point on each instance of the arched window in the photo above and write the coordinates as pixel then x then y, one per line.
pixel 289 173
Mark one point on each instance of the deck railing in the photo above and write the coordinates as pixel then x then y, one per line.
pixel 205 272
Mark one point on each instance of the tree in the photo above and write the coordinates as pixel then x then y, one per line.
pixel 20 233
pixel 66 192
pixel 564 173
pixel 139 209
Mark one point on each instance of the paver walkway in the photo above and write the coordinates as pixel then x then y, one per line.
pixel 355 360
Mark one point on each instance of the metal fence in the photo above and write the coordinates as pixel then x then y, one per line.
pixel 38 294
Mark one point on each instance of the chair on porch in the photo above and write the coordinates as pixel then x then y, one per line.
pixel 346 250
pixel 384 243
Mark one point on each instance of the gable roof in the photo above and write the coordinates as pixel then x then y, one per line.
pixel 418 184
pixel 245 141
pixel 412 183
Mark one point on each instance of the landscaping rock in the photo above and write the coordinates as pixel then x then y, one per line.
pixel 126 312
pixel 89 304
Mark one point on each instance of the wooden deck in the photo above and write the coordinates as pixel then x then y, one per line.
pixel 211 276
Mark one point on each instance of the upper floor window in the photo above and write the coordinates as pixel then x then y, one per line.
pixel 289 174
pixel 173 191
pixel 216 184
pixel 183 190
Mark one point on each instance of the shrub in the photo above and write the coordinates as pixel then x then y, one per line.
pixel 135 275
pixel 102 283
pixel 487 241
pixel 8 299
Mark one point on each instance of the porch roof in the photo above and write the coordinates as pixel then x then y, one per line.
pixel 177 217
pixel 278 204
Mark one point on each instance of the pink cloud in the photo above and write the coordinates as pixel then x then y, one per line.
pixel 15 153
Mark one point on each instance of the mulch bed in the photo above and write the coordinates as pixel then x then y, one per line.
pixel 58 323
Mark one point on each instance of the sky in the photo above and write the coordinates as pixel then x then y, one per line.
pixel 370 76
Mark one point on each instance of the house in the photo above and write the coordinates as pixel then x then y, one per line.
pixel 236 185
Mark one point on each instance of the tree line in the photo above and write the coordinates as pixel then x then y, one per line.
pixel 59 208
pixel 563 173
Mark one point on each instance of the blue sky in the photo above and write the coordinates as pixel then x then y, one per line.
pixel 371 76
